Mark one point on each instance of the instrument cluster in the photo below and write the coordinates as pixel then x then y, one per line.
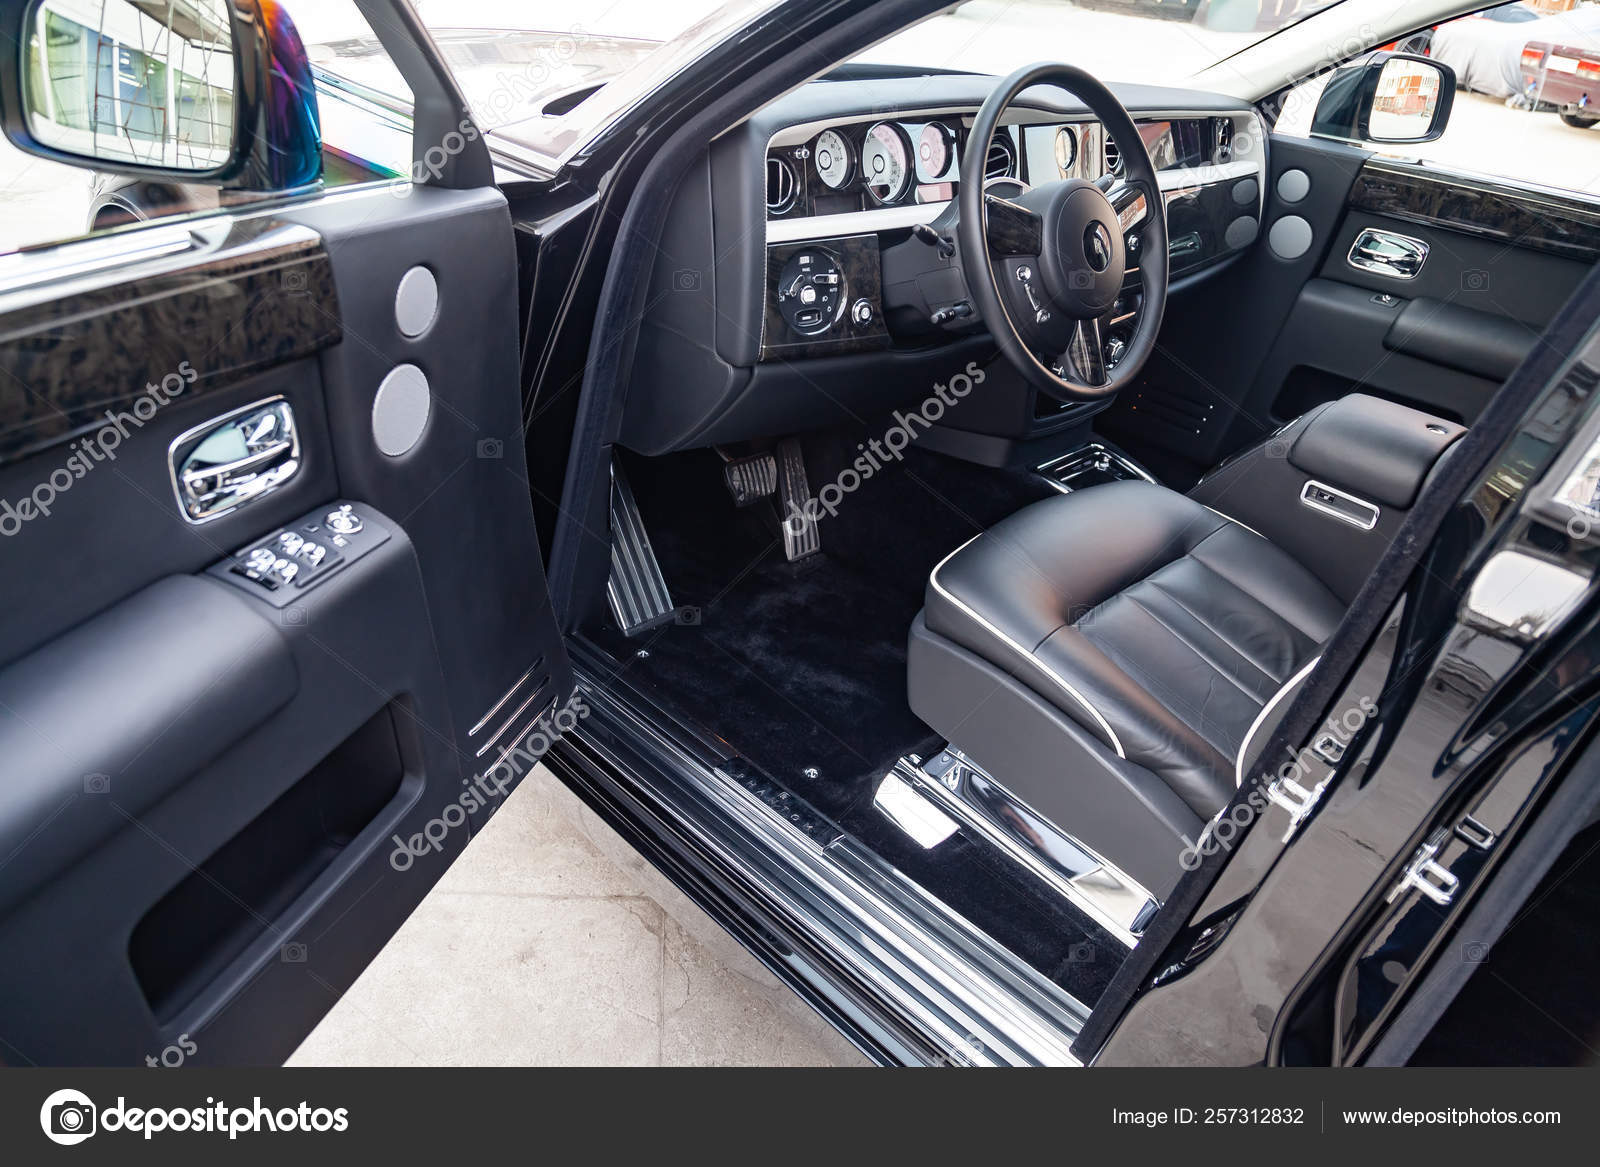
pixel 866 165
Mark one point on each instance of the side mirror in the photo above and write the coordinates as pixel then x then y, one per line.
pixel 216 92
pixel 1386 97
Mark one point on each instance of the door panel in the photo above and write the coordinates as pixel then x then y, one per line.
pixel 220 801
pixel 1277 335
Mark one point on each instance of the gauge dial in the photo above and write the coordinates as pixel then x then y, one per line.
pixel 933 150
pixel 833 159
pixel 885 163
pixel 1066 151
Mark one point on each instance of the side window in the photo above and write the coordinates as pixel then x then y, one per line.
pixel 1527 100
pixel 363 107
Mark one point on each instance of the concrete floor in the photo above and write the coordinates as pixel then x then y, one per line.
pixel 550 942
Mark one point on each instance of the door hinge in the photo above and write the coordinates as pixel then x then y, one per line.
pixel 1426 875
pixel 1295 799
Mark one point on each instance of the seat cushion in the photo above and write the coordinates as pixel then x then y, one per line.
pixel 1159 625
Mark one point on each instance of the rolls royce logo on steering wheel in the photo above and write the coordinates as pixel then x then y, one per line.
pixel 1097 246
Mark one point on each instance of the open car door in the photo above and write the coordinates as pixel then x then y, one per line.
pixel 276 637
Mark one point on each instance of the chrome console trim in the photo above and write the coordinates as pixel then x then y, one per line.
pixel 1086 459
pixel 967 994
pixel 1094 885
pixel 1340 504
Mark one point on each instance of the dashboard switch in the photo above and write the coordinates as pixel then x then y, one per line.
pixel 861 312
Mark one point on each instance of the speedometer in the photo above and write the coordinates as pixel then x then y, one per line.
pixel 833 159
pixel 933 151
pixel 885 163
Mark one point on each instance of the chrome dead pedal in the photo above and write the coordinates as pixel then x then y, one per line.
pixel 637 590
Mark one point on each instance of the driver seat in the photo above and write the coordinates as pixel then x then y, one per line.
pixel 1111 657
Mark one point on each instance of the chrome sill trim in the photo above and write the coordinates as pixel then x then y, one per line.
pixel 1091 884
pixel 964 992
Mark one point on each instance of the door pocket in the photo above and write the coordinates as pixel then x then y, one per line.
pixel 239 894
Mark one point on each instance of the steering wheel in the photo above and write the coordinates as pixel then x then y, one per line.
pixel 1045 267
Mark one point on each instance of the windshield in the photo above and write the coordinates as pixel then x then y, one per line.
pixel 514 59
pixel 1153 41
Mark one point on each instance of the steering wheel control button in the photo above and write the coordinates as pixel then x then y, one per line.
pixel 343 521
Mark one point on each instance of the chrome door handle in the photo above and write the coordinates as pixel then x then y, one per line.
pixel 235 459
pixel 1388 253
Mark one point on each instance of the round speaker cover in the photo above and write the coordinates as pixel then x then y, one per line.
pixel 1290 237
pixel 1293 185
pixel 400 410
pixel 416 302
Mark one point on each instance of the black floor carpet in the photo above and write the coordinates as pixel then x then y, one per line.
pixel 801 667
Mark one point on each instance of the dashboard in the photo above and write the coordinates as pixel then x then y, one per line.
pixel 862 165
pixel 781 294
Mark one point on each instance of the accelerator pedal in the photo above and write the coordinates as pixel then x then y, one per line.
pixel 637 590
pixel 751 479
pixel 796 508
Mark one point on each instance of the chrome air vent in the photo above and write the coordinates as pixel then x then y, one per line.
pixel 1112 156
pixel 1001 161
pixel 782 186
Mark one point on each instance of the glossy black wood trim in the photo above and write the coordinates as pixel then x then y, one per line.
pixel 863 280
pixel 1538 220
pixel 261 296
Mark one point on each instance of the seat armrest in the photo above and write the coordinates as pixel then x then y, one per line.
pixel 1373 448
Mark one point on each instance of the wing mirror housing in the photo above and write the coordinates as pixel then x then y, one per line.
pixel 214 92
pixel 1386 98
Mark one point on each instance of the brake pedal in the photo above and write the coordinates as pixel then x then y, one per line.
pixel 798 510
pixel 637 589
pixel 751 479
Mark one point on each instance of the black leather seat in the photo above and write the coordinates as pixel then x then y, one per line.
pixel 1107 656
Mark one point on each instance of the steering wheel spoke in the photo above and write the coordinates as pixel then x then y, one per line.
pixel 1086 355
pixel 1011 229
pixel 1131 201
